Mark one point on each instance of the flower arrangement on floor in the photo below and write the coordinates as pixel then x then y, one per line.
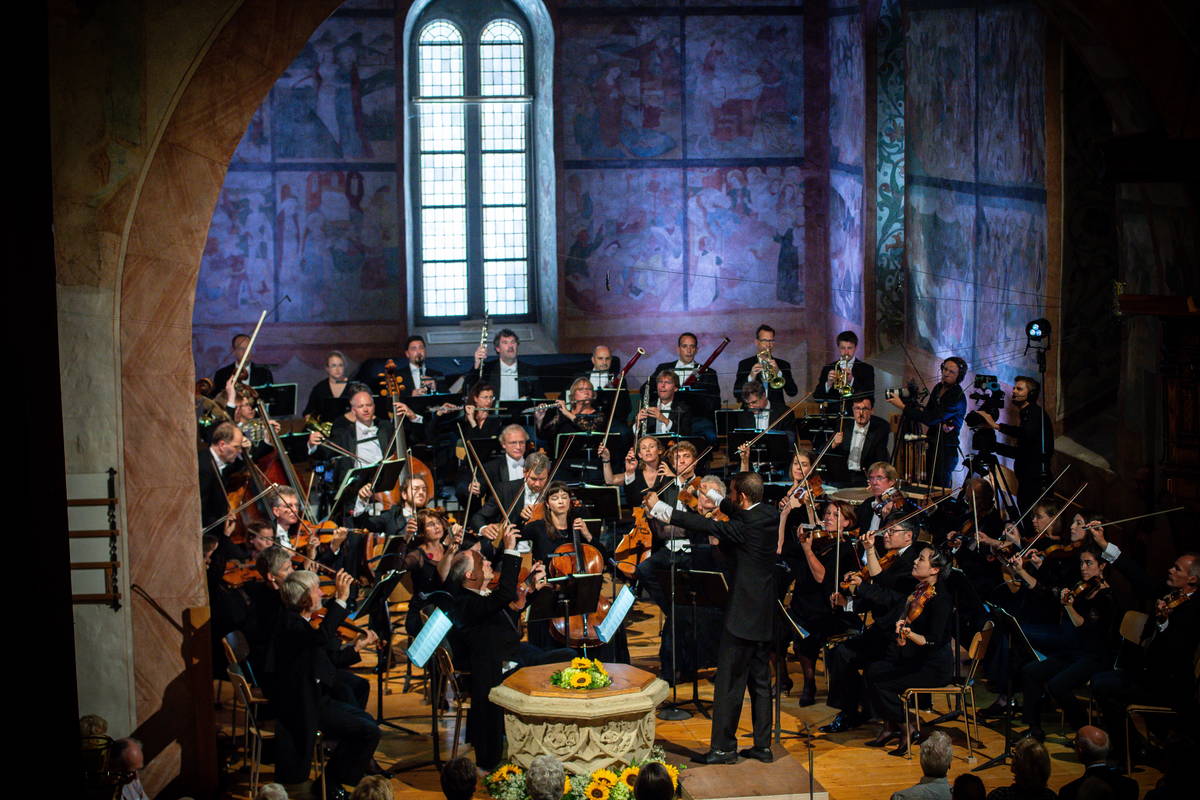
pixel 584 673
pixel 508 781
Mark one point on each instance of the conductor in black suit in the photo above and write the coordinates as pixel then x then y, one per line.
pixel 750 369
pixel 259 374
pixel 512 378
pixel 861 374
pixel 748 541
pixel 859 445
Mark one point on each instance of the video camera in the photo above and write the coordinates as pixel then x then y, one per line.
pixel 991 397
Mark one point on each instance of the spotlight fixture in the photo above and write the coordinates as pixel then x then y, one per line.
pixel 1038 330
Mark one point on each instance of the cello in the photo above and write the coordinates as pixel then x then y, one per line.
pixel 575 558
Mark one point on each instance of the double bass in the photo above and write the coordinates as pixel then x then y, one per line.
pixel 574 558
pixel 415 468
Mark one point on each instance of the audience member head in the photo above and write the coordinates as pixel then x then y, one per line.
pixel 545 779
pixel 93 725
pixel 208 546
pixel 653 783
pixel 968 786
pixel 935 755
pixel 271 791
pixel 1030 765
pixel 1091 745
pixel 126 755
pixel 373 787
pixel 459 778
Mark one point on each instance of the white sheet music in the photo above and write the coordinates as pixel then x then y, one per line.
pixel 616 614
pixel 431 635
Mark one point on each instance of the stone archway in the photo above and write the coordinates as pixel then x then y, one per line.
pixel 166 238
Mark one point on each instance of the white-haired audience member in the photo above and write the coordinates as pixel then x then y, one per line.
pixel 545 779
pixel 271 791
pixel 935 763
pixel 125 755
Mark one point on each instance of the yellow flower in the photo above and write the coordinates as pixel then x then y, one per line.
pixel 580 663
pixel 580 679
pixel 607 777
pixel 629 776
pixel 504 773
pixel 673 771
pixel 596 665
pixel 566 784
pixel 596 791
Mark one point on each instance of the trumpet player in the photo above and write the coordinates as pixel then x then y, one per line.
pixel 774 374
pixel 847 376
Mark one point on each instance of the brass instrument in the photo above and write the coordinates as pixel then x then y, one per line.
pixel 770 372
pixel 254 429
pixel 312 423
pixel 841 384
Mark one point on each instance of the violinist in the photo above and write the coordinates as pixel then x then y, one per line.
pixel 520 495
pixel 643 467
pixel 428 561
pixel 814 562
pixel 671 542
pixel 666 413
pixel 865 443
pixel 920 624
pixel 226 445
pixel 888 580
pixel 285 513
pixel 309 693
pixel 858 375
pixel 1163 674
pixel 1080 648
pixel 252 374
pixel 804 482
pixel 331 387
pixel 885 500
pixel 943 416
pixel 744 652
pixel 274 565
pixel 400 519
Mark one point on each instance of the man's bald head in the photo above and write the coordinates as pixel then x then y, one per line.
pixel 126 754
pixel 1091 745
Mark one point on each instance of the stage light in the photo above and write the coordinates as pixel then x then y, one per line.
pixel 1038 330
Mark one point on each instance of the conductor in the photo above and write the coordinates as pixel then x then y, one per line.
pixel 748 540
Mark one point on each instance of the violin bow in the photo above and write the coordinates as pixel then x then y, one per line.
pixel 237 373
pixel 937 446
pixel 1046 491
pixel 918 511
pixel 487 478
pixel 1091 525
pixel 550 479
pixel 1050 524
pixel 663 483
pixel 242 507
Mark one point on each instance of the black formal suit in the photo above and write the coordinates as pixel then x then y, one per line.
pixel 749 540
pixel 875 448
pixel 1032 452
pixel 776 396
pixel 863 385
pixel 603 397
pixel 707 385
pixel 259 376
pixel 680 416
pixel 214 504
pixel 344 434
pixel 307 698
pixel 1123 787
pixel 528 377
pixel 911 665
pixel 481 636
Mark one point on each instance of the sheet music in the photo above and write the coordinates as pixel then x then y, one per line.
pixel 616 614
pixel 431 635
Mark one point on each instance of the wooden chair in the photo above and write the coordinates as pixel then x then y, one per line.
pixel 232 648
pixel 255 733
pixel 964 692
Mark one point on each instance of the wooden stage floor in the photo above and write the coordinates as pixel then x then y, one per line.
pixel 847 769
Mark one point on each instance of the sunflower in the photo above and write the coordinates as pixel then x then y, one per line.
pixel 673 771
pixel 566 784
pixel 580 680
pixel 581 663
pixel 596 791
pixel 596 665
pixel 607 777
pixel 504 773
pixel 629 776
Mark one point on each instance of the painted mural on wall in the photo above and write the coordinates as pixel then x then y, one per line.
pixel 940 249
pixel 620 88
pixel 846 246
pixel 941 93
pixel 745 86
pixel 237 272
pixel 889 178
pixel 846 86
pixel 1012 96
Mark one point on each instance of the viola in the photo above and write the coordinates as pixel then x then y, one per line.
pixel 916 605
pixel 1088 587
pixel 239 573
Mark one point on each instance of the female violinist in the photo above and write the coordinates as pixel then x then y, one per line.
pixel 332 387
pixel 921 655
pixel 1080 646
pixel 814 562
pixel 429 558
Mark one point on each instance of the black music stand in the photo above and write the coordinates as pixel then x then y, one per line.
pixel 696 588
pixel 584 464
pixel 359 477
pixel 331 408
pixel 1013 633
pixel 781 648
pixel 725 420
pixel 772 448
pixel 569 595
pixel 279 398
pixel 375 606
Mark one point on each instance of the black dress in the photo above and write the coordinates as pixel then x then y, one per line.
pixel 912 665
pixel 317 396
pixel 810 606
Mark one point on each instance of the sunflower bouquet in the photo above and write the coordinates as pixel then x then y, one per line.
pixel 583 673
pixel 508 782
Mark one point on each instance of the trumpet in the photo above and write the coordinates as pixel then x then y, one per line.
pixel 770 372
pixel 841 381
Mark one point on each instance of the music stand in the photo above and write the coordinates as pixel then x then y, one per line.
pixel 296 445
pixel 279 398
pixel 331 408
pixel 781 672
pixel 773 447
pixel 725 419
pixel 1013 633
pixel 375 606
pixel 695 588
pixel 569 595
pixel 356 478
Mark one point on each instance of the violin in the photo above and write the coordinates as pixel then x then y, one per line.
pixel 916 605
pixel 1088 587
pixel 239 573
pixel 865 573
pixel 1060 550
pixel 1176 598
pixel 811 485
pixel 348 631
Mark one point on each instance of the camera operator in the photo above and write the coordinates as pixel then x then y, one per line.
pixel 1035 440
pixel 943 416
